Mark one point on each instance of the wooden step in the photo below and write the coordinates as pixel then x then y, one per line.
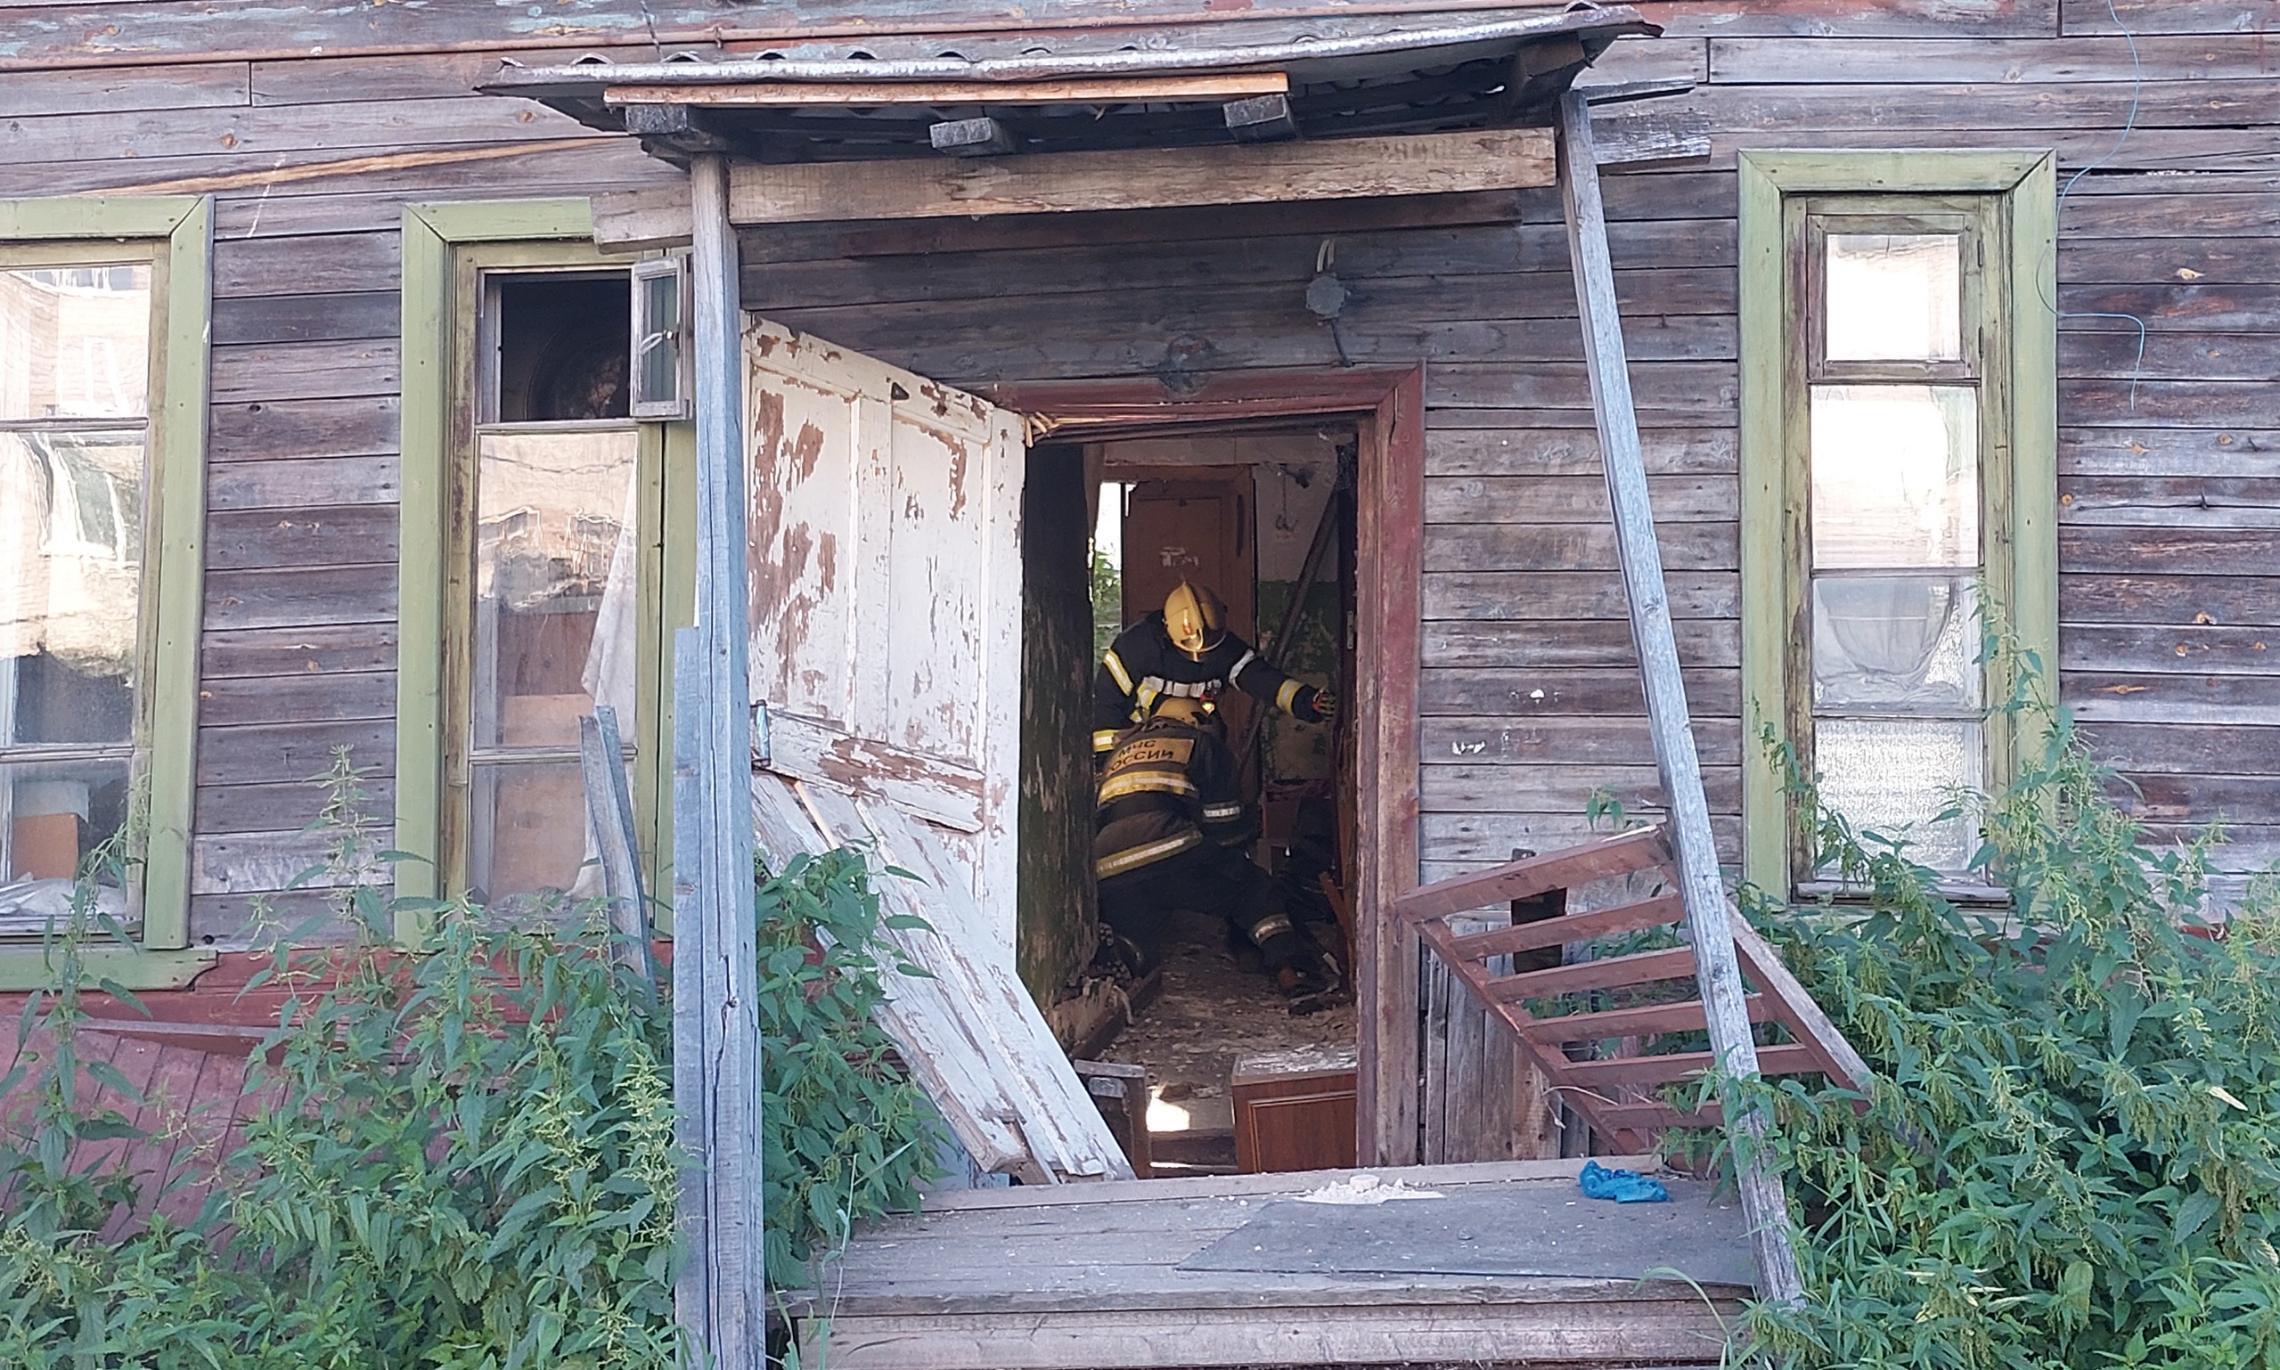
pixel 1787 1059
pixel 1639 968
pixel 1524 879
pixel 1644 1021
pixel 1659 911
pixel 1648 1118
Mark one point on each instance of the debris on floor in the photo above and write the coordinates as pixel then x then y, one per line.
pixel 1365 1189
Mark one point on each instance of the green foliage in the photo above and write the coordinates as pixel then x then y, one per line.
pixel 1107 599
pixel 2070 1157
pixel 470 1161
pixel 848 1135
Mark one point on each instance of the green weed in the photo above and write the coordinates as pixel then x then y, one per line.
pixel 468 1163
pixel 2070 1157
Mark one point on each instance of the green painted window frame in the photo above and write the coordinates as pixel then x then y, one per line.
pixel 2020 451
pixel 446 248
pixel 175 234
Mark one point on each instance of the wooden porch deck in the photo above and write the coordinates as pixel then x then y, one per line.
pixel 1512 1266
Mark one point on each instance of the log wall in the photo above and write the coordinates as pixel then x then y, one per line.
pixel 2170 526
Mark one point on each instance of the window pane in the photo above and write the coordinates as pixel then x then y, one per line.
pixel 555 585
pixel 1895 297
pixel 660 358
pixel 1892 775
pixel 562 347
pixel 1895 643
pixel 1895 476
pixel 52 814
pixel 74 342
pixel 70 585
pixel 527 836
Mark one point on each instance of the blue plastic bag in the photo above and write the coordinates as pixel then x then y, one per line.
pixel 1623 1186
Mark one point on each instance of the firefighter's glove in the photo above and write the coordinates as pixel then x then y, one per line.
pixel 1322 707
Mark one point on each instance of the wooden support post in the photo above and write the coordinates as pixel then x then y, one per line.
pixel 692 1112
pixel 713 765
pixel 1709 920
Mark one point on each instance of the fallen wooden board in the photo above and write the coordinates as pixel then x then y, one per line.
pixel 968 1031
pixel 1616 1096
pixel 1047 183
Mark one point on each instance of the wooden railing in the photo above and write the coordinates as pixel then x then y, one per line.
pixel 1592 1028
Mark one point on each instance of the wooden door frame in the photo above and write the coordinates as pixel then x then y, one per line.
pixel 1388 404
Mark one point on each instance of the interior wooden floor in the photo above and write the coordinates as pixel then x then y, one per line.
pixel 1213 1011
pixel 1089 1277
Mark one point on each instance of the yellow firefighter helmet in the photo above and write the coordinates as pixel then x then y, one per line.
pixel 1195 619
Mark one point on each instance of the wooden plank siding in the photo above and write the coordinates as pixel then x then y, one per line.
pixel 2170 494
pixel 2169 458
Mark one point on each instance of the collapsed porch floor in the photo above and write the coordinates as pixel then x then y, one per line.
pixel 1108 1276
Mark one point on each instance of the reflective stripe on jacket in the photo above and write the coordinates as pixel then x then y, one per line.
pixel 1168 788
pixel 1143 666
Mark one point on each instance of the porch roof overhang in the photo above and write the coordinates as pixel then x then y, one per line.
pixel 1337 76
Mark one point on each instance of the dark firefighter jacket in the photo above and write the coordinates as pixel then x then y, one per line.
pixel 1143 666
pixel 1168 788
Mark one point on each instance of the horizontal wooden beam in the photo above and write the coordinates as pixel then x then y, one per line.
pixel 1086 91
pixel 1064 182
pixel 1645 135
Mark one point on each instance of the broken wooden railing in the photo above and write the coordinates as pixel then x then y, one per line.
pixel 1631 999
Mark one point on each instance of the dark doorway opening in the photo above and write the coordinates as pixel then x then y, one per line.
pixel 1160 434
pixel 1264 515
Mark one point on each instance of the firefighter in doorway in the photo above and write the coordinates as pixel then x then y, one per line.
pixel 1186 652
pixel 1171 834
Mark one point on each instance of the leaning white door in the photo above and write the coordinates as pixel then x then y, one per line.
pixel 885 570
pixel 885 565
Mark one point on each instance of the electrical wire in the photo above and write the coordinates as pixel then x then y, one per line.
pixel 2129 125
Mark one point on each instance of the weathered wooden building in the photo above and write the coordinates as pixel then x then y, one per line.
pixel 292 263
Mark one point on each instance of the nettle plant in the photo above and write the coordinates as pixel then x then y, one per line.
pixel 2071 1154
pixel 463 1158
